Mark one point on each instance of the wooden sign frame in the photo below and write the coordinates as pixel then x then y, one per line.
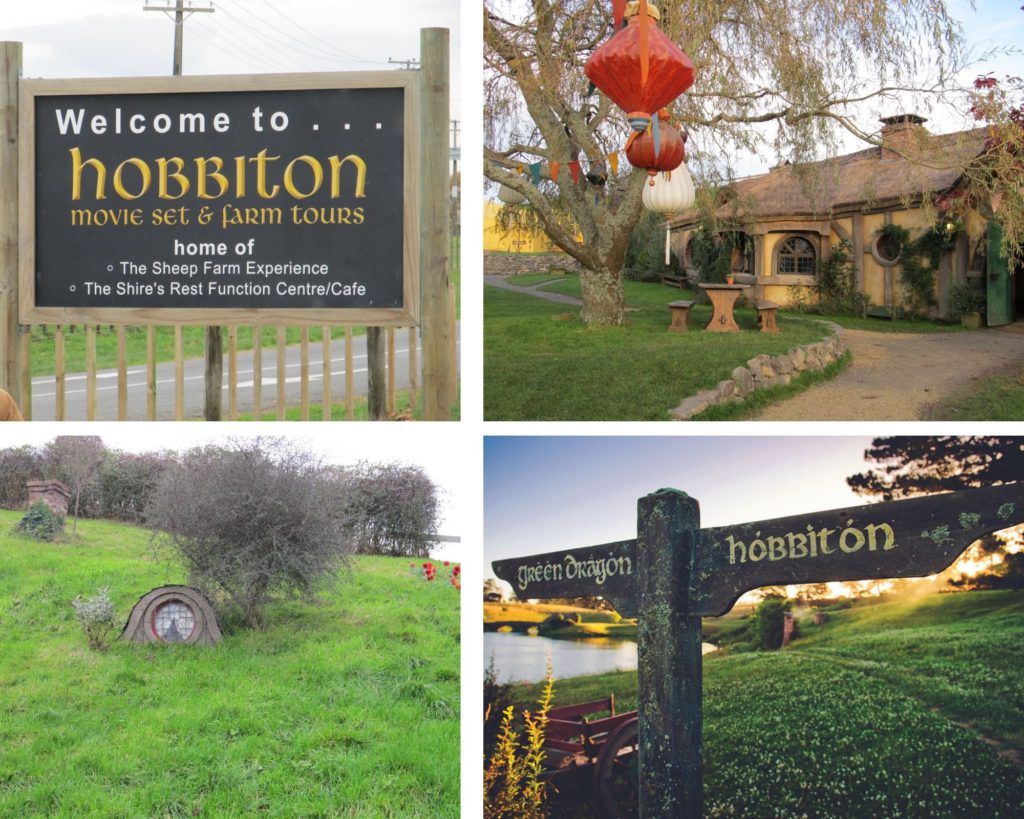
pixel 405 316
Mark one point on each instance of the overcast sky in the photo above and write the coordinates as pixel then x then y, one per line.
pixel 116 38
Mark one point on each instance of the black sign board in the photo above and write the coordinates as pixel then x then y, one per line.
pixel 674 573
pixel 294 195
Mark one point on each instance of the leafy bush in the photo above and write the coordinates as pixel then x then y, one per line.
pixel 97 618
pixel 769 617
pixel 252 521
pixel 965 298
pixel 127 481
pixel 512 787
pixel 41 522
pixel 645 254
pixel 837 284
pixel 18 466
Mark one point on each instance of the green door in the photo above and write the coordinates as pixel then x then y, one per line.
pixel 1000 289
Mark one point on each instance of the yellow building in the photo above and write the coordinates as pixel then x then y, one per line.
pixel 518 241
pixel 785 221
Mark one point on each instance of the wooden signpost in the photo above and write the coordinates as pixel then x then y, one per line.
pixel 675 573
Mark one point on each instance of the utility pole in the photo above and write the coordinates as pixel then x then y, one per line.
pixel 180 11
pixel 409 65
pixel 214 340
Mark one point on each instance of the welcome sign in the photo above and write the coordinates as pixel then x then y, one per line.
pixel 221 199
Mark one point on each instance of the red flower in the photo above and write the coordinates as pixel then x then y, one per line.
pixel 446 563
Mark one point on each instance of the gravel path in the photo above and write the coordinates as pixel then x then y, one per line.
pixel 532 290
pixel 894 376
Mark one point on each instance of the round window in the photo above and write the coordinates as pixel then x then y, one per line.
pixel 173 622
pixel 888 248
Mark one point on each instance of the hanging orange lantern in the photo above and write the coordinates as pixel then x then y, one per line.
pixel 640 69
pixel 663 149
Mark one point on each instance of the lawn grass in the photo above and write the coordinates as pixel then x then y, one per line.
pixel 537 368
pixel 995 397
pixel 360 409
pixel 911 708
pixel 349 707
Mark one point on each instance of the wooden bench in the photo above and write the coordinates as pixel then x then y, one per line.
pixel 673 280
pixel 680 316
pixel 766 315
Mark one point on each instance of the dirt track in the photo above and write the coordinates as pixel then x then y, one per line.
pixel 894 376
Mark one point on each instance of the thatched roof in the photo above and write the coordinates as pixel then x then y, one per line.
pixel 872 177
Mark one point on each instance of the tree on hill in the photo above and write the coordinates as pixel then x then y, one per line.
pixel 796 67
pixel 252 521
pixel 77 460
pixel 912 465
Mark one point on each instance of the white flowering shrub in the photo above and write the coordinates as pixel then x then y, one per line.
pixel 97 618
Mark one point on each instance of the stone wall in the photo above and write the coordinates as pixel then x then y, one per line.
pixel 763 372
pixel 520 264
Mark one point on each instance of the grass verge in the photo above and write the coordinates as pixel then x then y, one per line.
pixel 993 397
pixel 349 707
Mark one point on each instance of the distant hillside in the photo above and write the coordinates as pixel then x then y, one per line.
pixel 349 707
pixel 911 709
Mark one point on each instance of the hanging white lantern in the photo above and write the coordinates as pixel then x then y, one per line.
pixel 669 193
pixel 510 197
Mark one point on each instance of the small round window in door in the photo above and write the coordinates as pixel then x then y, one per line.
pixel 173 622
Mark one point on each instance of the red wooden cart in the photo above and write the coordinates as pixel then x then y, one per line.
pixel 581 750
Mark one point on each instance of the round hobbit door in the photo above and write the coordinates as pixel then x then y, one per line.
pixel 173 614
pixel 173 622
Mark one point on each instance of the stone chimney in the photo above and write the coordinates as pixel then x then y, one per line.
pixel 902 132
pixel 53 493
pixel 788 626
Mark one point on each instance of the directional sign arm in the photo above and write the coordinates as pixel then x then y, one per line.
pixel 608 570
pixel 908 538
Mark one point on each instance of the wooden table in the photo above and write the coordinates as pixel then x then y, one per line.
pixel 723 297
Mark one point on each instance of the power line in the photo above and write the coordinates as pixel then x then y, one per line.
pixel 315 36
pixel 270 57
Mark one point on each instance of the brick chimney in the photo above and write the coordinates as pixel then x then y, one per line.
pixel 53 493
pixel 901 133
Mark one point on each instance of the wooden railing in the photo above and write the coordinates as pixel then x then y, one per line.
pixel 337 384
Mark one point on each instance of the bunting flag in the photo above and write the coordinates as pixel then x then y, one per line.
pixel 535 169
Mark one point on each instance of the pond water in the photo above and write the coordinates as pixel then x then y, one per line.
pixel 523 658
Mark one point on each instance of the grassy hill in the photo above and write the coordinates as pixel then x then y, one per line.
pixel 345 708
pixel 911 708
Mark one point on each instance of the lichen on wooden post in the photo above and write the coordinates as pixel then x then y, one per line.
pixel 669 649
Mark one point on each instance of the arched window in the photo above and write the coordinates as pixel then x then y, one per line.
pixel 796 255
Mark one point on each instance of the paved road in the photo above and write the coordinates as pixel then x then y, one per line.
pixel 44 389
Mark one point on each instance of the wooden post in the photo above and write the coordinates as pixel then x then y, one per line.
pixel 376 388
pixel 10 344
pixel 122 373
pixel 350 399
pixel 282 370
pixel 437 317
pixel 213 408
pixel 325 393
pixel 257 373
pixel 151 372
pixel 59 375
pixel 669 651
